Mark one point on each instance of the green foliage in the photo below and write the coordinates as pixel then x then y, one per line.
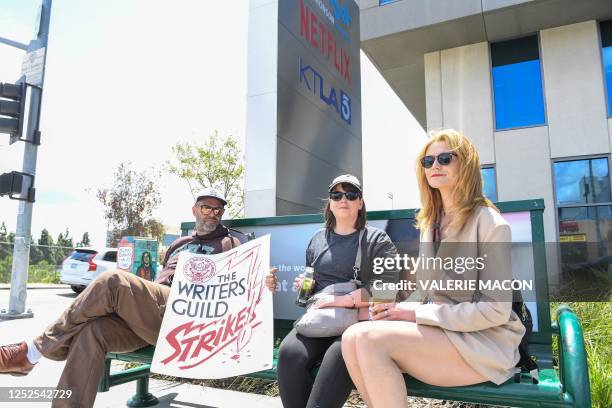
pixel 3 232
pixel 45 256
pixel 43 272
pixel 63 247
pixel 130 202
pixel 44 249
pixel 6 241
pixel 85 241
pixel 217 163
pixel 6 266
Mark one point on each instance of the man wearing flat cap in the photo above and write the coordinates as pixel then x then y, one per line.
pixel 117 312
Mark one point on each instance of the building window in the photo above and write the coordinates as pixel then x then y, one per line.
pixel 584 206
pixel 489 187
pixel 606 51
pixel 582 182
pixel 517 83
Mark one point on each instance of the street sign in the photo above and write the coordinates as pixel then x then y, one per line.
pixel 33 65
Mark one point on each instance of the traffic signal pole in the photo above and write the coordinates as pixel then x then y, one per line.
pixel 21 250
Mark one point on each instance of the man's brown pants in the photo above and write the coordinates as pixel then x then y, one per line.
pixel 117 312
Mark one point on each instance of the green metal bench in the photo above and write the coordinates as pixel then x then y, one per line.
pixel 569 386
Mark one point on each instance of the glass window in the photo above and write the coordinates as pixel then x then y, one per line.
pixel 110 256
pixel 517 83
pixel 606 51
pixel 489 188
pixel 585 225
pixel 582 181
pixel 83 256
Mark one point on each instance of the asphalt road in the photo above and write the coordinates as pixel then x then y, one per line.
pixel 47 305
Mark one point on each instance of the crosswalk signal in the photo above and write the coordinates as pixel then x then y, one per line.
pixel 12 109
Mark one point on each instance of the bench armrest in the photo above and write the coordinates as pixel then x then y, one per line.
pixel 572 357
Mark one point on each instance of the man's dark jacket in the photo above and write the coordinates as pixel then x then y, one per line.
pixel 220 240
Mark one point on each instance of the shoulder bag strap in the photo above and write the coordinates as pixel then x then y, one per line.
pixel 357 266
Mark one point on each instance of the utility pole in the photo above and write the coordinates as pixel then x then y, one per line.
pixel 390 197
pixel 37 56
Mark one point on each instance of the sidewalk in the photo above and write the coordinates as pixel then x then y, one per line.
pixel 7 286
pixel 47 306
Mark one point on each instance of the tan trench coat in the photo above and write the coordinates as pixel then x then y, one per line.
pixel 486 332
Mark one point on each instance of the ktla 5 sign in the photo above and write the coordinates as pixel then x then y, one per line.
pixel 316 84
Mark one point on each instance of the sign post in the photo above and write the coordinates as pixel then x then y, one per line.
pixel 33 75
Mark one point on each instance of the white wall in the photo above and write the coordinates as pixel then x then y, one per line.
pixel 524 171
pixel 466 95
pixel 574 90
pixel 523 167
pixel 260 149
pixel 391 139
pixel 433 91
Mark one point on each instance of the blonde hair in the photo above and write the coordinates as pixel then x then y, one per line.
pixel 468 191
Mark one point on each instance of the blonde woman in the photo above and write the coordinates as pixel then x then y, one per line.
pixel 447 338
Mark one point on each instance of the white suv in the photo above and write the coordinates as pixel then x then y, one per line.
pixel 85 264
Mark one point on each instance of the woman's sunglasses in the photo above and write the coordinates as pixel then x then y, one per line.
pixel 443 158
pixel 350 195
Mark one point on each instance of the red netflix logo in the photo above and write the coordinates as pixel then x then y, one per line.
pixel 319 36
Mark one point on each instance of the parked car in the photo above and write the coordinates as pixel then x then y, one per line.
pixel 84 265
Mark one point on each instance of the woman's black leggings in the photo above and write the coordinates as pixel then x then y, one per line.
pixel 296 357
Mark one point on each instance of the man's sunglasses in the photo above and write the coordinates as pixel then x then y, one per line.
pixel 350 195
pixel 207 209
pixel 443 158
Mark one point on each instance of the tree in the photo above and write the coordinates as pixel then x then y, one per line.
pixel 44 250
pixel 65 240
pixel 63 247
pixel 130 202
pixel 217 163
pixel 6 266
pixel 85 242
pixel 6 241
pixel 3 232
pixel 6 248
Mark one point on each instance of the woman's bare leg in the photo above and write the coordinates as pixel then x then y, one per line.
pixel 386 349
pixel 349 354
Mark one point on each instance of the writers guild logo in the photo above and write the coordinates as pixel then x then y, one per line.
pixel 199 270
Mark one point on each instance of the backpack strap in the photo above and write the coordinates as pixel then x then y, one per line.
pixel 228 243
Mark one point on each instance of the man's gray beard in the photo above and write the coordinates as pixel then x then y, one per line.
pixel 206 228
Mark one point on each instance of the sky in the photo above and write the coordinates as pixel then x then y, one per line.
pixel 127 81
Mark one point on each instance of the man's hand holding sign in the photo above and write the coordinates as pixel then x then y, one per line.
pixel 218 319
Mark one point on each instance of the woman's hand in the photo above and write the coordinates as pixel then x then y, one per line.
pixel 297 282
pixel 394 311
pixel 272 280
pixel 327 300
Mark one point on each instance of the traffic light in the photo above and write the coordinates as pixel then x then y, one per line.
pixel 12 109
pixel 14 182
